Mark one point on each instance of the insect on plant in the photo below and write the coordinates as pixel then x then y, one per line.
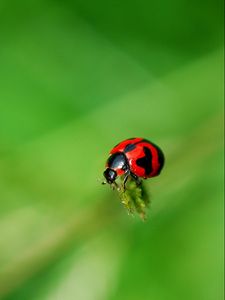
pixel 132 160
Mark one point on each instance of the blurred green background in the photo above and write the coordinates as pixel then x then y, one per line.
pixel 77 77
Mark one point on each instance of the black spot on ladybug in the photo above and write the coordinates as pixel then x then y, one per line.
pixel 129 147
pixel 146 161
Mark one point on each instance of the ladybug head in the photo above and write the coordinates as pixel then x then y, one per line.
pixel 110 175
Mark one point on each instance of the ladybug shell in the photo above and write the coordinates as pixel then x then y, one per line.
pixel 145 159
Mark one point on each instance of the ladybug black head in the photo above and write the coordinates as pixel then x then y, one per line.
pixel 110 175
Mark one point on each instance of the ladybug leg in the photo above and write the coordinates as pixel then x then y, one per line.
pixel 136 178
pixel 114 185
pixel 127 174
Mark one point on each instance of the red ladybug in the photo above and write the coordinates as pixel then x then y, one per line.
pixel 135 157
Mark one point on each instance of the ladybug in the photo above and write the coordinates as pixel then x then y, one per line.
pixel 135 157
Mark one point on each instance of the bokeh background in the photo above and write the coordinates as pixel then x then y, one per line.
pixel 77 77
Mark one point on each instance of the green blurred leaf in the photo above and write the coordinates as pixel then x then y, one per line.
pixel 76 78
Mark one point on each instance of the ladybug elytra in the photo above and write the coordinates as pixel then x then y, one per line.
pixel 135 157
